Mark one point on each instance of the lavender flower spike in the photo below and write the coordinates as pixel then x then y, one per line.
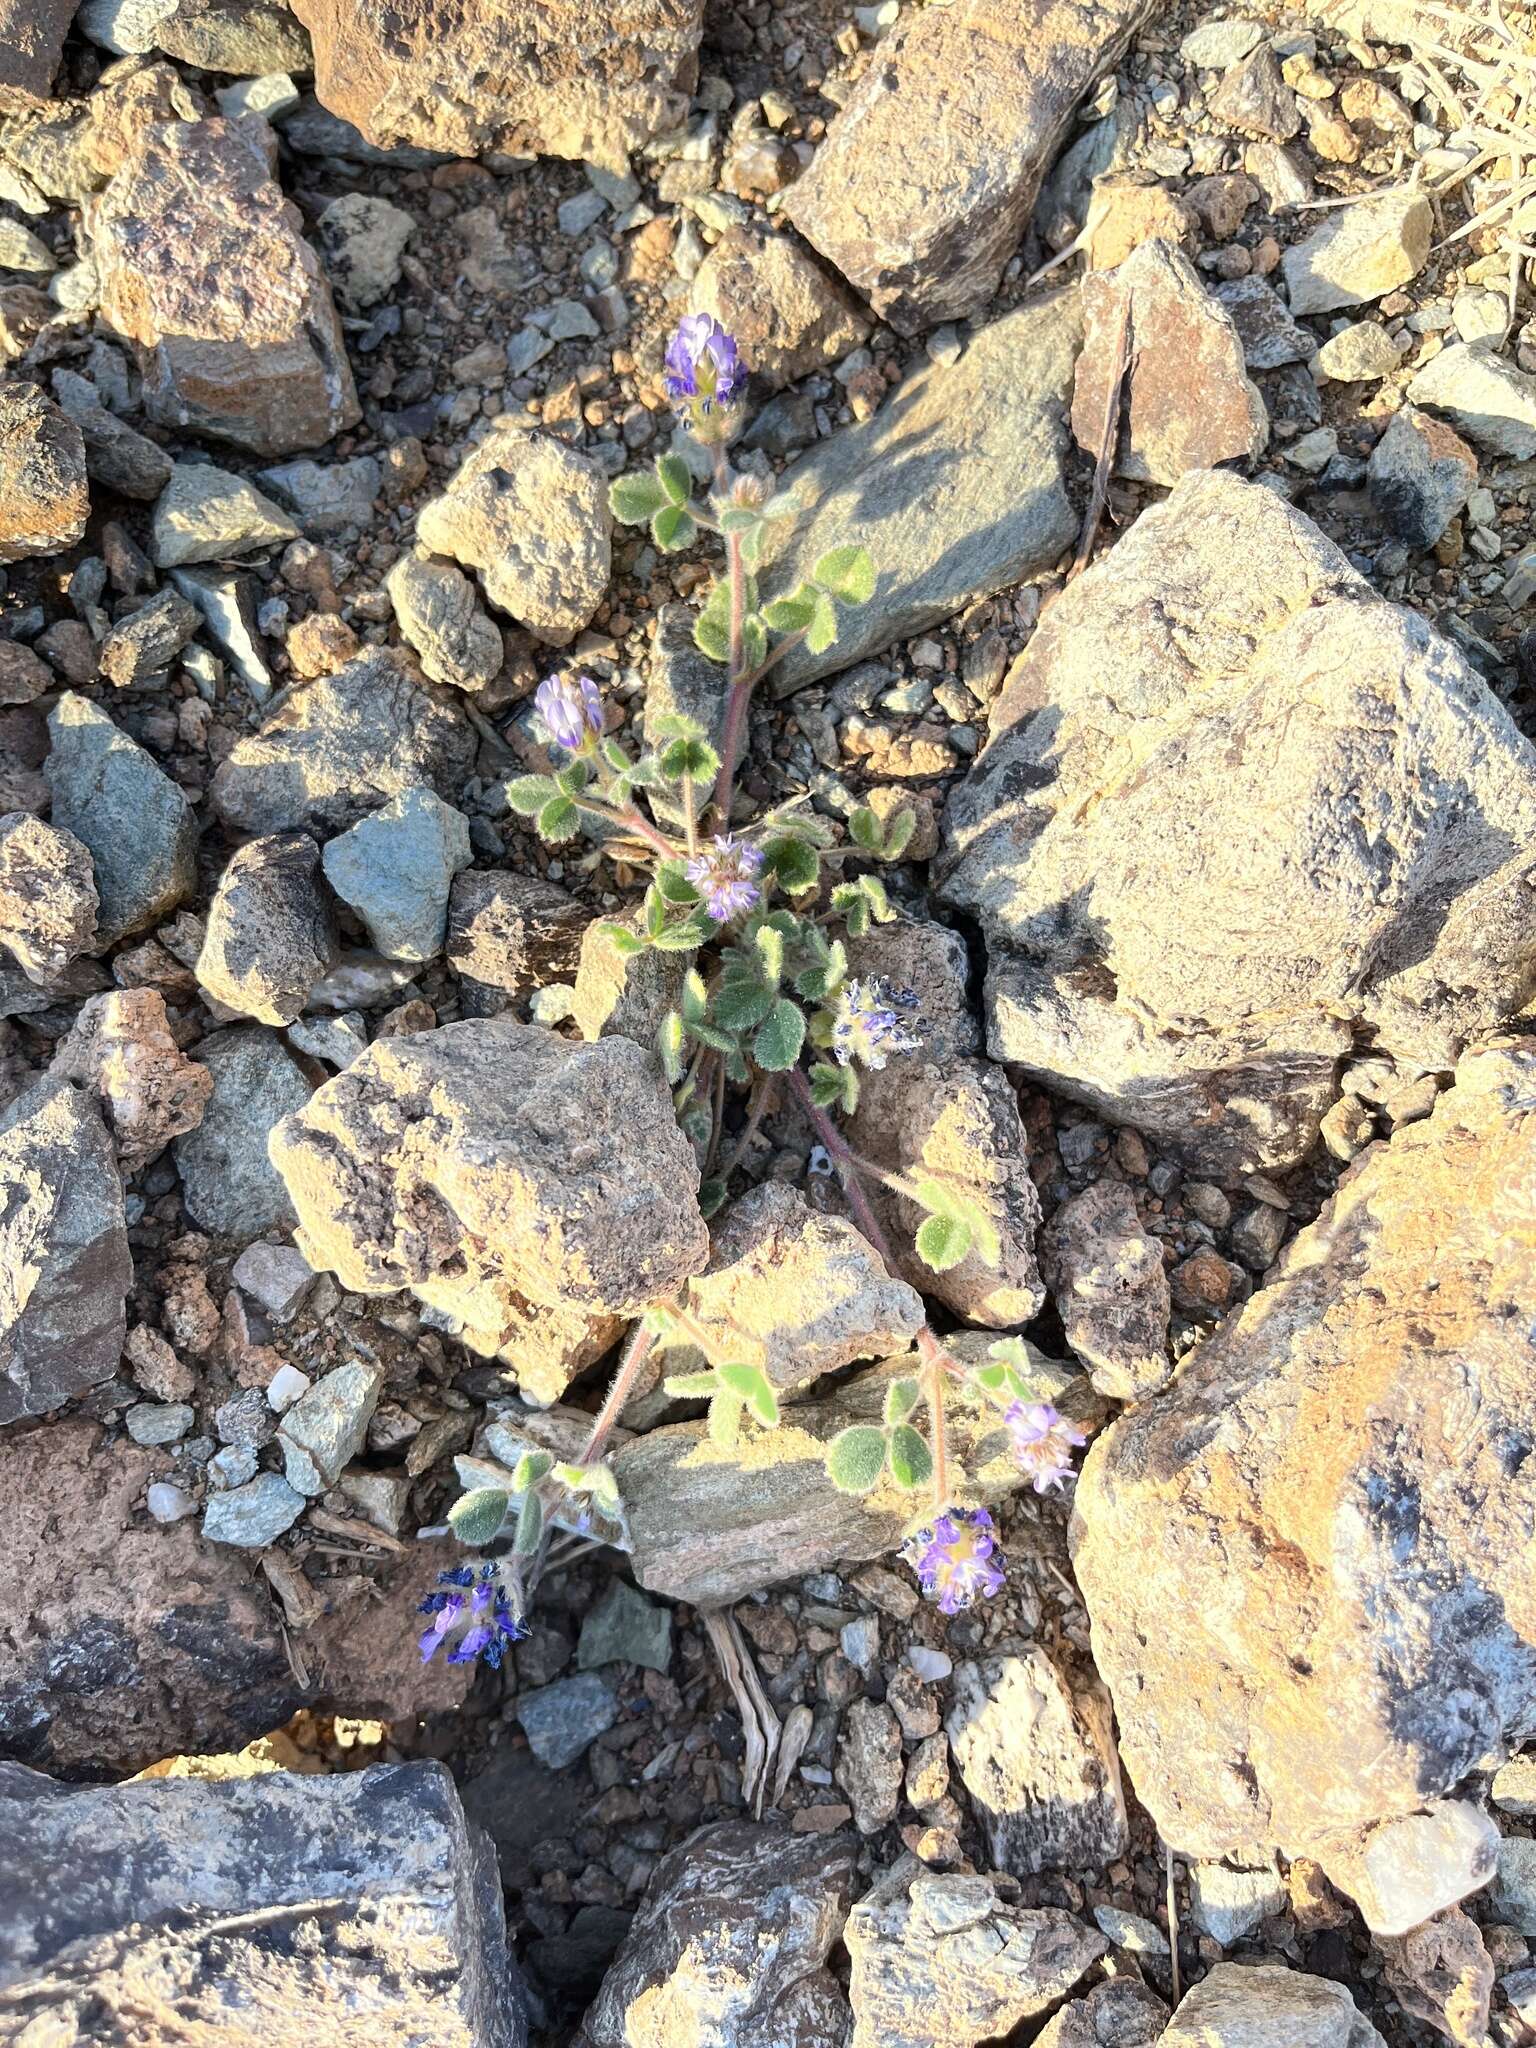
pixel 472 1616
pixel 725 875
pixel 703 365
pixel 954 1561
pixel 570 710
pixel 867 1027
pixel 1043 1443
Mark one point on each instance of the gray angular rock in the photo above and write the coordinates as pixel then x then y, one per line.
pixel 925 231
pixel 31 45
pixel 956 485
pixel 1352 1419
pixel 270 934
pixel 1187 401
pixel 325 1428
pixel 1106 1274
pixel 1228 1901
pixel 1359 253
pixel 489 1157
pixel 787 315
pixel 1167 945
pixel 531 517
pixel 1035 1749
pixel 797 1293
pixel 362 239
pixel 512 933
pixel 1405 1870
pixel 438 616
pixel 251 1516
pixel 131 818
pixel 276 1277
pixel 47 895
pixel 1120 2013
pixel 116 454
pixel 1420 475
pixel 44 496
pixel 206 514
pixel 1264 2005
pixel 1486 396
pixel 203 267
pixel 146 642
pixel 328 497
pixel 625 1628
pixel 194 1910
pixel 945 1960
pixel 1359 353
pixel 729 1946
pixel 1254 98
pixel 563 1720
pixel 332 750
pixel 395 868
pixel 227 1181
pixel 67 1268
pixel 1270 337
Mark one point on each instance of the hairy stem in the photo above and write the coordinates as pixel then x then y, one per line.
pixel 631 820
pixel 936 1362
pixel 635 1354
pixel 842 1158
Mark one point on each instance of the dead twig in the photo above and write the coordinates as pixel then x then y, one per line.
pixel 1109 438
pixel 759 1723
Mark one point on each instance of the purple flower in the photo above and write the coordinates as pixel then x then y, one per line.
pixel 472 1617
pixel 954 1561
pixel 867 1028
pixel 703 365
pixel 570 711
pixel 1043 1443
pixel 725 874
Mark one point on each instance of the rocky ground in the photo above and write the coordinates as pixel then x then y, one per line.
pixel 323 334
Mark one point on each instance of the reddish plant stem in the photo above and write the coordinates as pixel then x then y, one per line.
pixel 635 1355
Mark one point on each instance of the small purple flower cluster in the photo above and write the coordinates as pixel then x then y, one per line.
pixel 570 710
pixel 703 365
pixel 1043 1443
pixel 867 1028
pixel 954 1559
pixel 725 875
pixel 472 1616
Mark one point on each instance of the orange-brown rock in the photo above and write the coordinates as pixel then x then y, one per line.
pixel 204 268
pixel 44 498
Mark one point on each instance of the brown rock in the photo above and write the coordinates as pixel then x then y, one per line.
pixel 1202 1283
pixel 271 935
pixel 44 498
pixel 869 1764
pixel 32 36
pixel 927 177
pixel 148 640
pixel 1255 99
pixel 1442 1973
pixel 1120 2013
pixel 203 266
pixel 1106 1273
pixel 1322 1507
pixel 24 312
pixel 121 1049
pixel 1125 212
pixel 789 318
pixel 48 899
pixel 24 676
pixel 513 933
pixel 1221 202
pixel 1188 401
pixel 588 80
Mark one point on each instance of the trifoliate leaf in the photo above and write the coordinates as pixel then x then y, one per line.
pixel 856 1458
pixel 779 1037
pixel 672 475
pixel 690 757
pixel 911 1459
pixel 848 573
pixel 634 499
pixel 796 864
pixel 476 1517
pixel 901 1397
pixel 530 1526
pixel 942 1242
pixel 673 528
pixel 528 794
pixel 753 1386
pixel 557 820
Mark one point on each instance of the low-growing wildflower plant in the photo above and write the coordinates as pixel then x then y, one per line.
pixel 762 910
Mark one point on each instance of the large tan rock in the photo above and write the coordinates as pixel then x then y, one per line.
pixel 204 268
pixel 1235 808
pixel 1333 1503
pixel 927 177
pixel 511 1179
pixel 576 78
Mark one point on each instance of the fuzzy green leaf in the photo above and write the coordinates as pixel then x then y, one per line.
pixel 695 1000
pixel 827 1084
pixel 856 1458
pixel 823 627
pixel 739 518
pixel 769 941
pixel 789 614
pixel 901 1397
pixel 691 1386
pixel 711 1195
pixel 681 938
pixel 942 1242
pixel 796 864
pixel 673 528
pixel 572 779
pixel 690 757
pixel 753 1386
pixel 911 1459
pixel 898 834
pixel 672 475
pixel 724 1421
pixel 864 830
pixel 848 573
pixel 742 1005
pixel 530 1526
pixel 476 1517
pixel 671 1040
pixel 673 885
pixel 712 628
pixel 634 499
pixel 530 1468
pixel 557 820
pixel 779 1037
pixel 754 640
pixel 528 794
pixel 623 941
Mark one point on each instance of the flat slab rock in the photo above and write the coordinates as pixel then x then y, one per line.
pixel 729 1946
pixel 1330 1502
pixel 590 80
pixel 956 486
pixel 1235 807
pixel 1263 2005
pixel 274 1910
pixel 204 268
pixel 927 177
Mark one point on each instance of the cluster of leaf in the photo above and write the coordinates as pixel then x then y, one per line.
pixel 683 756
pixel 857 1457
pixel 537 1487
